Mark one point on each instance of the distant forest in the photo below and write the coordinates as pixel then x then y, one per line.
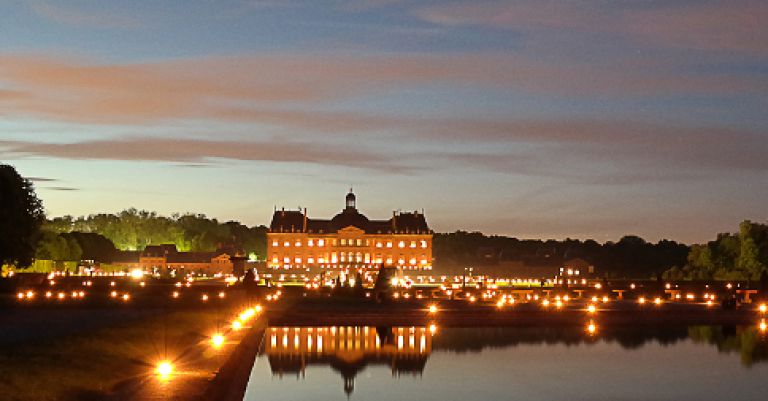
pixel 740 255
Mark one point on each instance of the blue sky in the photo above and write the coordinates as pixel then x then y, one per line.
pixel 531 118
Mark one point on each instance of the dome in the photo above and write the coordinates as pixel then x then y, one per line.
pixel 349 217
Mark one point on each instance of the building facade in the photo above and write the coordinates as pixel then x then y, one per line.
pixel 348 241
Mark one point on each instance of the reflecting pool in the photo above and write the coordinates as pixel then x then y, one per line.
pixel 553 363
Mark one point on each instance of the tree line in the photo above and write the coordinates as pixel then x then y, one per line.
pixel 631 256
pixel 731 256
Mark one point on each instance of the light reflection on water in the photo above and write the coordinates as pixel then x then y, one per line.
pixel 544 363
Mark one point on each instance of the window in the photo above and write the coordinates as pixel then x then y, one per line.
pixel 321 242
pixel 412 261
pixel 274 243
pixel 286 260
pixel 359 242
pixel 298 243
pixel 401 244
pixel 334 258
pixel 274 259
pixel 298 260
pixel 378 244
pixel 423 244
pixel 413 244
pixel 310 242
pixel 310 260
pixel 389 260
pixel 389 244
pixel 343 241
pixel 286 244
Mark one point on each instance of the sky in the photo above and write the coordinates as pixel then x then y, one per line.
pixel 531 118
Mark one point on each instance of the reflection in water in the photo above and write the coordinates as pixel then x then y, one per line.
pixel 348 350
pixel 405 350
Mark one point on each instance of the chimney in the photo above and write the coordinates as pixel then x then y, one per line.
pixel 304 229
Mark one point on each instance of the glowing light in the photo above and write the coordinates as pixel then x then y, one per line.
pixel 432 329
pixel 641 300
pixel 657 301
pixel 472 299
pixel 175 294
pixel 48 294
pixel 433 308
pixel 709 302
pixel 500 303
pixel 545 302
pixel 559 303
pixel 591 328
pixel 113 294
pixel 217 340
pixel 126 297
pixel 62 295
pixel 164 369
pixel 605 299
pixel 236 325
pixel 222 294
pixel 20 295
pixel 594 299
pixel 591 308
pixel 136 274
pixel 204 297
pixel 598 286
pixel 258 308
pixel 763 308
pixel 763 326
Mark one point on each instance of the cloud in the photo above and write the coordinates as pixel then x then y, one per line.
pixel 720 25
pixel 281 89
pixel 576 151
pixel 42 179
pixel 60 188
pixel 81 18
pixel 201 151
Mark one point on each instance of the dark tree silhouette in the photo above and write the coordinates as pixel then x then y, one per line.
pixel 21 215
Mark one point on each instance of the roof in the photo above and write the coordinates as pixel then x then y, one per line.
pixel 297 221
pixel 400 223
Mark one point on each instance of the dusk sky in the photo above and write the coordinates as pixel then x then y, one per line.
pixel 532 118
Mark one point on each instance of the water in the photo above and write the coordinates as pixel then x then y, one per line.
pixel 431 363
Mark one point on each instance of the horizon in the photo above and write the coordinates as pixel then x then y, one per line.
pixel 529 120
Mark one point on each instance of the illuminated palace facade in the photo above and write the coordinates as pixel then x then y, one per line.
pixel 348 241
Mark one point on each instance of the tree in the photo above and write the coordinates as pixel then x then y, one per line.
pixel 749 254
pixel 21 215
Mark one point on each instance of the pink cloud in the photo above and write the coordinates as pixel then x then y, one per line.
pixel 279 89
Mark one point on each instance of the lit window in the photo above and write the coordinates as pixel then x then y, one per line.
pixel 298 260
pixel 343 241
pixel 274 259
pixel 389 260
pixel 401 261
pixel 334 258
pixel 413 244
pixel 286 260
pixel 378 245
pixel 423 261
pixel 423 244
pixel 389 244
pixel 310 260
pixel 320 260
pixel 310 242
pixel 401 244
pixel 367 258
pixel 298 243
pixel 412 261
pixel 359 257
pixel 343 257
pixel 359 242
pixel 274 243
pixel 321 242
